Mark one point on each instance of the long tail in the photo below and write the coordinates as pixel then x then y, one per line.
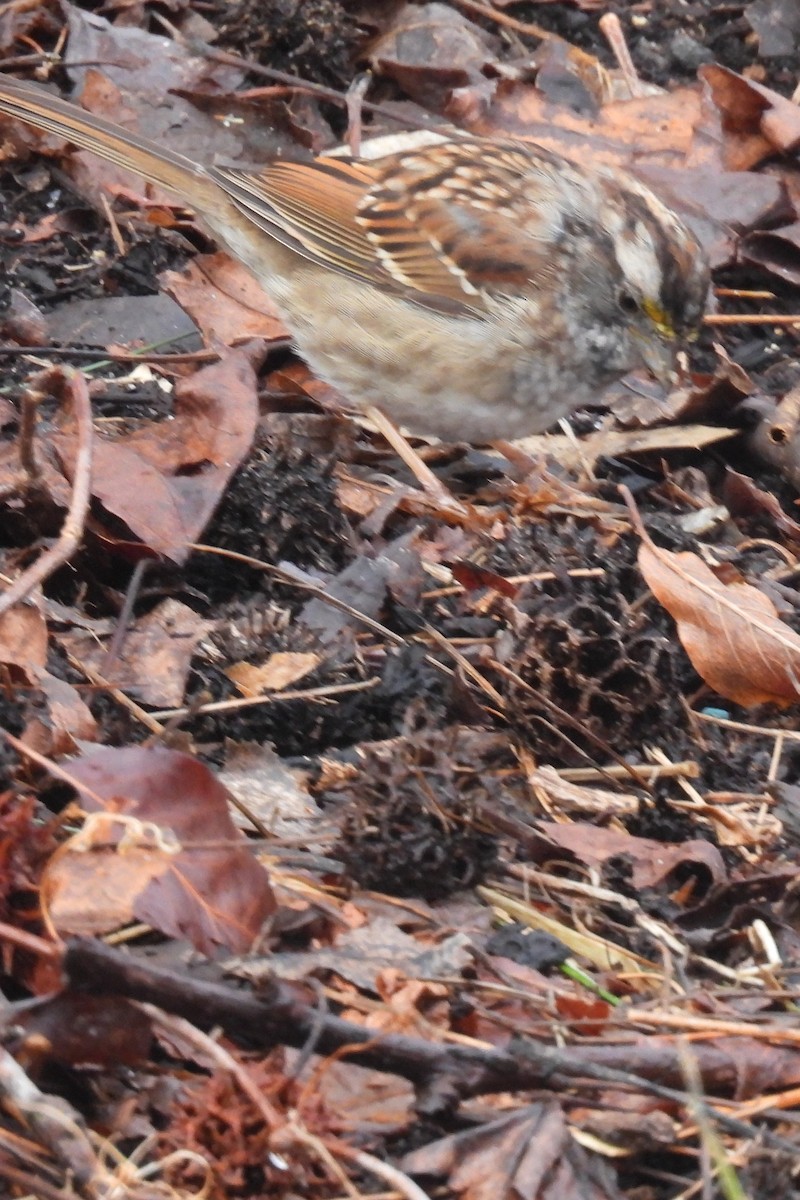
pixel 154 163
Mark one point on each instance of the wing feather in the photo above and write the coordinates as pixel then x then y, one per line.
pixel 430 225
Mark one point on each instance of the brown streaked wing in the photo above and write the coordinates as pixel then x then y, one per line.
pixel 470 207
pixel 486 248
pixel 313 208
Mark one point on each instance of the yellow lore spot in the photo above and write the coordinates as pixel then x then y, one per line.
pixel 659 318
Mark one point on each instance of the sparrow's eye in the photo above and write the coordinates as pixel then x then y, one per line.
pixel 628 303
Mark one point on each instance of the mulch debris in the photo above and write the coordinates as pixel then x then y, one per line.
pixel 350 844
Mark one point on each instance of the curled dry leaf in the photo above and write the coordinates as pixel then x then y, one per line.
pixel 731 632
pixel 757 121
pixel 529 1154
pixel 159 846
pixel 429 49
pixel 165 478
pixel 225 300
pixel 744 499
pixel 652 864
pixel 280 671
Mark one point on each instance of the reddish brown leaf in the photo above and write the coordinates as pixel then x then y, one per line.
pixel 757 121
pixel 658 130
pixel 77 1028
pixel 85 894
pixel 587 1014
pixel 154 659
pixel 165 480
pixel 529 1155
pixel 473 578
pixel 23 642
pixel 651 862
pixel 214 894
pixel 225 300
pixel 732 633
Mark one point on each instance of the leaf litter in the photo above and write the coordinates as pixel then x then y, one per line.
pixel 543 714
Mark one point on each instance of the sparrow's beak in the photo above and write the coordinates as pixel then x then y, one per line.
pixel 659 356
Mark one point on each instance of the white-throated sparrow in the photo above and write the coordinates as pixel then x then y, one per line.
pixel 471 289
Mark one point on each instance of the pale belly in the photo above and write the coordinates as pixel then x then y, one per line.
pixel 461 379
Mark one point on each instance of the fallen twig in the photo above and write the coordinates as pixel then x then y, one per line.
pixel 72 530
pixel 442 1074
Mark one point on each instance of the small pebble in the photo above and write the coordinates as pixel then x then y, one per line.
pixel 651 56
pixel 687 52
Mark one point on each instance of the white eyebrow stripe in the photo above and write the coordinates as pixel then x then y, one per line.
pixel 637 256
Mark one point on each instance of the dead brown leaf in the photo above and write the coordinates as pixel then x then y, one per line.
pixel 529 1155
pixel 656 130
pixel 225 301
pixel 775 250
pixel 23 642
pixel 570 77
pixel 651 862
pixel 744 498
pixel 123 321
pixel 68 721
pixel 165 479
pixel 137 86
pixel 140 859
pixel 64 718
pixel 756 121
pixel 429 49
pixel 721 205
pixel 147 84
pixel 732 633
pixel 279 671
pixel 23 322
pixel 80 1029
pixel 273 792
pixel 362 955
pixel 154 659
pixel 697 398
pixel 637 1132
pixel 365 1101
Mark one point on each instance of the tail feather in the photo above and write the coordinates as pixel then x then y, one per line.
pixel 157 165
